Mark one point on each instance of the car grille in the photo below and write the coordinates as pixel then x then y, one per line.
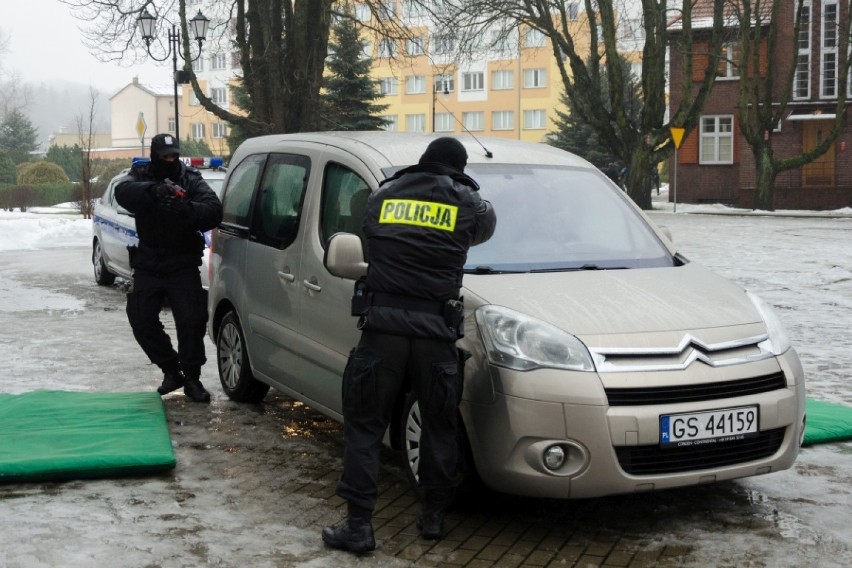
pixel 654 460
pixel 694 393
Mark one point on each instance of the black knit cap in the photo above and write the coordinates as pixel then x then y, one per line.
pixel 164 145
pixel 447 151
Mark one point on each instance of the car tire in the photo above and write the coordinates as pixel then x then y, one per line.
pixel 410 426
pixel 102 276
pixel 232 361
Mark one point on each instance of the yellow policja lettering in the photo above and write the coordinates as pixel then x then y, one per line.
pixel 428 214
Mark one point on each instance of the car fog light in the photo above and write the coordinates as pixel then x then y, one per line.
pixel 554 457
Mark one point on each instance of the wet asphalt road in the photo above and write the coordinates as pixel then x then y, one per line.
pixel 254 484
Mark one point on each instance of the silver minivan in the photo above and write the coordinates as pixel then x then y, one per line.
pixel 604 361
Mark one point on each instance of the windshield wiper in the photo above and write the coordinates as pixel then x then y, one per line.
pixel 483 269
pixel 577 268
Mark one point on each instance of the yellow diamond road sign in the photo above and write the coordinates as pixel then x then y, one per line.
pixel 677 135
pixel 141 127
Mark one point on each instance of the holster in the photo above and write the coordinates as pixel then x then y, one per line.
pixel 360 300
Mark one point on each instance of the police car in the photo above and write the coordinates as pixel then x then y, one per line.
pixel 114 228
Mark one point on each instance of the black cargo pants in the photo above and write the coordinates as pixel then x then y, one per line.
pixel 188 301
pixel 372 382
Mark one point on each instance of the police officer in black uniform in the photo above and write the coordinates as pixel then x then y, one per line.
pixel 173 206
pixel 419 226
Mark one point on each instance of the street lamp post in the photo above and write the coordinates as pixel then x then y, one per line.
pixel 198 25
pixel 446 93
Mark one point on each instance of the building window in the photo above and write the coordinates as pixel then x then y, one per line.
pixel 218 61
pixel 503 120
pixel 535 119
pixel 171 125
pixel 387 86
pixel 387 48
pixel 235 60
pixel 198 65
pixel 391 122
pixel 443 44
pixel 362 13
pixel 534 38
pixel 219 95
pixel 366 50
pixel 444 122
pixel 502 42
pixel 535 78
pixel 415 122
pixel 501 80
pixel 727 68
pixel 473 81
pixel 444 83
pixel 197 129
pixel 387 10
pixel 220 130
pixel 828 65
pixel 474 120
pixel 414 9
pixel 415 84
pixel 717 140
pixel 415 46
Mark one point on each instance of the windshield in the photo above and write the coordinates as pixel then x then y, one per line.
pixel 560 218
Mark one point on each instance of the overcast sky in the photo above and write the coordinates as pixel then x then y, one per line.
pixel 45 46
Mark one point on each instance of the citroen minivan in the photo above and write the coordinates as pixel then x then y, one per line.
pixel 604 360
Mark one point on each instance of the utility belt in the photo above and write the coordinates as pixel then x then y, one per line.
pixel 451 310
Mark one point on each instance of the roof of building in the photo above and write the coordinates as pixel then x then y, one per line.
pixel 153 89
pixel 702 15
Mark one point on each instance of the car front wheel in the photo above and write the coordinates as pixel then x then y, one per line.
pixel 102 276
pixel 411 428
pixel 232 361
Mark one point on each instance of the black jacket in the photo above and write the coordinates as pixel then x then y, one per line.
pixel 419 226
pixel 168 242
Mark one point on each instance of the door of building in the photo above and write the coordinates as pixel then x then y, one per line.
pixel 820 172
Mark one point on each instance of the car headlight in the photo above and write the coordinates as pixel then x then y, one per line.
pixel 778 342
pixel 520 342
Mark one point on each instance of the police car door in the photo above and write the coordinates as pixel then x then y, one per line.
pixel 328 328
pixel 272 281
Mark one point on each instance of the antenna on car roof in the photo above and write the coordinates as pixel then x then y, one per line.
pixel 488 153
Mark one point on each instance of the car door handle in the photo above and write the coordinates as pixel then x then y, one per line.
pixel 312 286
pixel 286 276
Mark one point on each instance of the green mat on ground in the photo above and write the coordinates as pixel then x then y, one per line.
pixel 58 435
pixel 827 422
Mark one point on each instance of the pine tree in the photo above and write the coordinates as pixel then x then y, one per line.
pixel 18 136
pixel 349 91
pixel 578 136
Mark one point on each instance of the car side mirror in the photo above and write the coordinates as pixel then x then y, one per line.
pixel 345 256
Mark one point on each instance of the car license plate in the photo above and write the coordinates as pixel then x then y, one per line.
pixel 709 427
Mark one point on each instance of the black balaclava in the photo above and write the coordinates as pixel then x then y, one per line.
pixel 447 151
pixel 165 145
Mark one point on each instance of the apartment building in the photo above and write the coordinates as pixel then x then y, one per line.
pixel 509 87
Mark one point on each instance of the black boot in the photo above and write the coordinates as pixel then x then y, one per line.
pixel 172 381
pixel 355 534
pixel 431 524
pixel 195 390
pixel 430 520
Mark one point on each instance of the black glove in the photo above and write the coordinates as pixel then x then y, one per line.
pixel 161 193
pixel 176 206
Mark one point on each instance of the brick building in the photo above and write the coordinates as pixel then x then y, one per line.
pixel 715 163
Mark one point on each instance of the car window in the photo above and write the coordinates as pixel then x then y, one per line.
pixel 236 203
pixel 557 218
pixel 344 200
pixel 215 184
pixel 280 198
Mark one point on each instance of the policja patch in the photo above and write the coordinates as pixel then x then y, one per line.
pixel 419 213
